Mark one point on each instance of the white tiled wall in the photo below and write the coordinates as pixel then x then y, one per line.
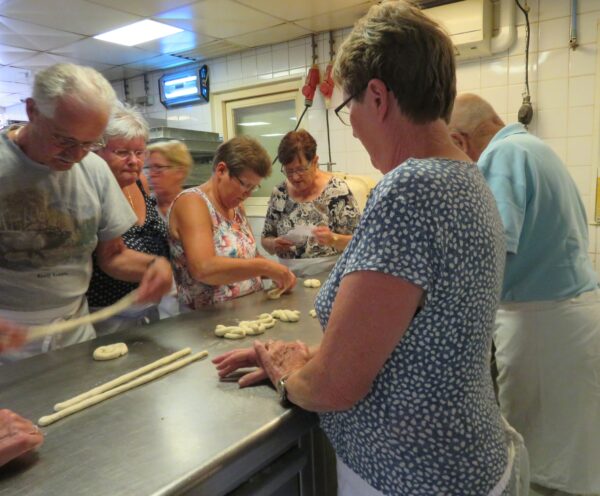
pixel 562 83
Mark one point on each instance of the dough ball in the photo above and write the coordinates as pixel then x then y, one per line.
pixel 110 351
pixel 312 283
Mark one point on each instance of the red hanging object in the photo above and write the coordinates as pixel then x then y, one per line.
pixel 310 85
pixel 327 85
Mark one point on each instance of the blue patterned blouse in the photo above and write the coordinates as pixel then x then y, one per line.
pixel 430 424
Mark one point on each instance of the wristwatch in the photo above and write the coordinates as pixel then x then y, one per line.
pixel 282 391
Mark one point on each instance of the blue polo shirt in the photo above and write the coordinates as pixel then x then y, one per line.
pixel 544 219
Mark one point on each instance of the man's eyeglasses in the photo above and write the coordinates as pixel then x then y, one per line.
pixel 65 142
pixel 248 188
pixel 123 154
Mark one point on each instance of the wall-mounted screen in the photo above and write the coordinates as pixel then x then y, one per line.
pixel 184 88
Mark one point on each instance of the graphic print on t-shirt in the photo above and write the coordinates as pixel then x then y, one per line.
pixel 36 232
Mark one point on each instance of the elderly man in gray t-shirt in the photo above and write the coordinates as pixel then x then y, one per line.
pixel 58 204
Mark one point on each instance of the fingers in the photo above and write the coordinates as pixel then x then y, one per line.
pixel 233 360
pixel 17 436
pixel 253 377
pixel 222 357
pixel 156 282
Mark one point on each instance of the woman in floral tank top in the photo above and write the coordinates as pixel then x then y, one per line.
pixel 213 250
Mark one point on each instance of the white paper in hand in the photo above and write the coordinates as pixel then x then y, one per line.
pixel 299 234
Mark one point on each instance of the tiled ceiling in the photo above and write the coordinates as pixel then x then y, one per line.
pixel 38 33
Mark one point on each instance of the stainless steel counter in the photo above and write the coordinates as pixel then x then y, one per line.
pixel 186 433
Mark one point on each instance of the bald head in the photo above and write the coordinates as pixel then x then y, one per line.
pixel 473 124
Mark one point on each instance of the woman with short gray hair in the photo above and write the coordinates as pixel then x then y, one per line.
pixel 125 151
pixel 401 378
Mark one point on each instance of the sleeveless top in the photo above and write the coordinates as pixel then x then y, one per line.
pixel 150 237
pixel 232 238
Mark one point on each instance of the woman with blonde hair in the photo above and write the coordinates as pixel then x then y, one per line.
pixel 168 165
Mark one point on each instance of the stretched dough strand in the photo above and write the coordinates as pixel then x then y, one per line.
pixel 82 405
pixel 275 293
pixel 123 379
pixel 37 332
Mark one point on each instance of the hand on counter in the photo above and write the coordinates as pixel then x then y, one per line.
pixel 11 335
pixel 17 436
pixel 241 358
pixel 273 359
pixel 279 358
pixel 156 281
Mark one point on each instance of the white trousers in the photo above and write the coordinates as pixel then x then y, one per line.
pixel 548 357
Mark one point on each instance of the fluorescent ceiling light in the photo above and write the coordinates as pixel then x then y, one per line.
pixel 138 32
pixel 251 124
pixel 272 135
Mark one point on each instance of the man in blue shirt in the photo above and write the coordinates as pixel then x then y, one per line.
pixel 548 327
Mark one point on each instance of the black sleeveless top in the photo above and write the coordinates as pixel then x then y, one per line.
pixel 150 237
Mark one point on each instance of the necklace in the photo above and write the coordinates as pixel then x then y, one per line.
pixel 130 199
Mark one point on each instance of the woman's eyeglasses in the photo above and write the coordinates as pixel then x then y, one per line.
pixel 123 154
pixel 248 188
pixel 289 173
pixel 159 169
pixel 342 110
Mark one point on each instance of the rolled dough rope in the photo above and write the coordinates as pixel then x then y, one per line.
pixel 312 283
pixel 233 335
pixel 123 379
pixel 312 312
pixel 246 327
pixel 221 330
pixel 110 351
pixel 82 405
pixel 276 293
pixel 36 332
pixel 286 315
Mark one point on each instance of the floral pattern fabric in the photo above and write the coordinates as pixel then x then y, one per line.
pixel 232 238
pixel 335 207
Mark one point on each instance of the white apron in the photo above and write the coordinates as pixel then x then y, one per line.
pixel 514 480
pixel 548 357
pixel 305 267
pixel 43 317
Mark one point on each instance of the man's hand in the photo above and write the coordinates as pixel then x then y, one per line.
pixel 156 282
pixel 17 436
pixel 12 335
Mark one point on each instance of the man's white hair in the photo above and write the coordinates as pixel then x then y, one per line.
pixel 126 122
pixel 80 83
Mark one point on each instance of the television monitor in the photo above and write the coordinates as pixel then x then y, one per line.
pixel 184 88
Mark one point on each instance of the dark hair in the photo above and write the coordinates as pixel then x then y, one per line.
pixel 398 44
pixel 296 144
pixel 241 153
